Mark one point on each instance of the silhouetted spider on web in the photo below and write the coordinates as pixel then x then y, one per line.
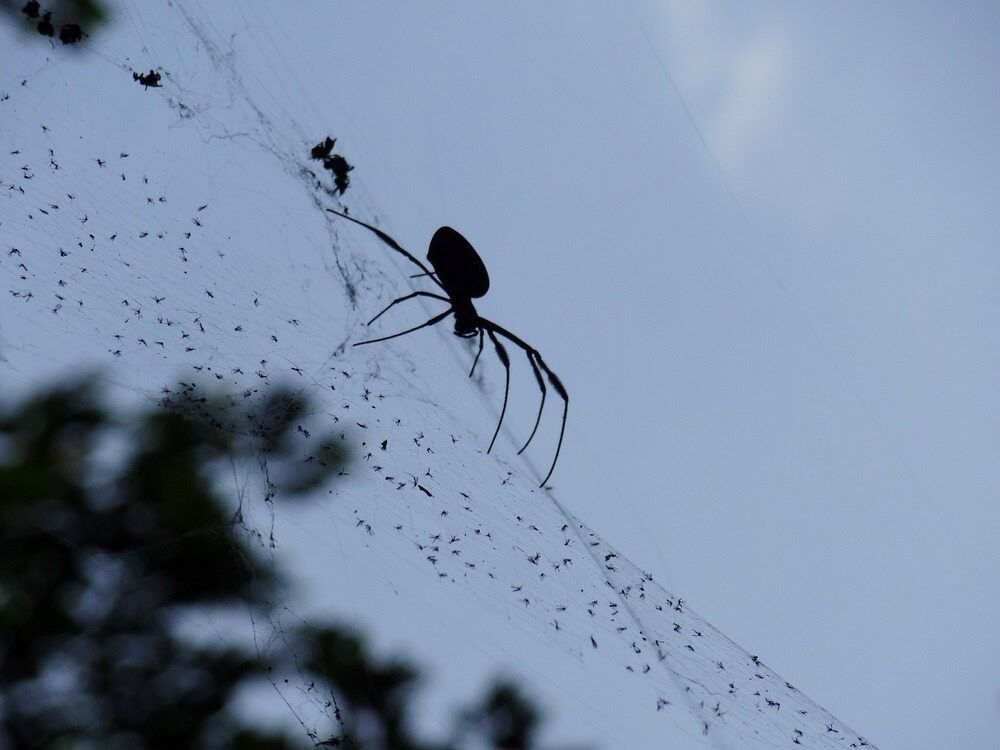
pixel 462 275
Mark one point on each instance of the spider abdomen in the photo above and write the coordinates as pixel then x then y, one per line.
pixel 458 266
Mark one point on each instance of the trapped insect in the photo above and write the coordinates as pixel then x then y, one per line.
pixel 462 276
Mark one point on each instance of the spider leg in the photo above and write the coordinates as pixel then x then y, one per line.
pixel 403 299
pixel 421 275
pixel 432 321
pixel 561 390
pixel 476 360
pixel 541 406
pixel 502 354
pixel 391 243
pixel 554 381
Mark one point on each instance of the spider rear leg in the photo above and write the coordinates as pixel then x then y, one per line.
pixel 541 406
pixel 476 360
pixel 502 354
pixel 554 381
pixel 557 384
pixel 432 321
pixel 404 299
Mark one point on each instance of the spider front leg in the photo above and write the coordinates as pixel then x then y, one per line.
pixel 432 321
pixel 391 243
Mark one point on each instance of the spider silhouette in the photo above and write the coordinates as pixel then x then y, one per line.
pixel 462 276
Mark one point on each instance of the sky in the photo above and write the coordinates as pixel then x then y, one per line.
pixel 756 244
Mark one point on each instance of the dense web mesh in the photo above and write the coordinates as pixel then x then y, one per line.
pixel 175 239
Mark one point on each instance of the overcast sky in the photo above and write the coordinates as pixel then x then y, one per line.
pixel 758 244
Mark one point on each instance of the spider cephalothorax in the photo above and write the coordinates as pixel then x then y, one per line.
pixel 462 276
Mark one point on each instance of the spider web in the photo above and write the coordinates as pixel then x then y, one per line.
pixel 176 239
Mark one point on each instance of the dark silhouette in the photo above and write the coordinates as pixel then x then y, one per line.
pixel 103 553
pixel 152 78
pixel 339 166
pixel 71 32
pixel 335 163
pixel 45 27
pixel 462 275
pixel 322 150
pixel 97 564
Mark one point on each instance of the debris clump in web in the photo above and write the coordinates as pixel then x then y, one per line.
pixel 176 238
pixel 46 20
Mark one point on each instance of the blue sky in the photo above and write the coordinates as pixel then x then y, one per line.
pixel 757 243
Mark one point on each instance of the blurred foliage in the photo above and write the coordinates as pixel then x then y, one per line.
pixel 71 21
pixel 111 528
pixel 112 532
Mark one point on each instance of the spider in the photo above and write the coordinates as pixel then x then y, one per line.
pixel 462 276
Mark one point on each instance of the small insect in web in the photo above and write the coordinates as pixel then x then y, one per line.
pixel 462 276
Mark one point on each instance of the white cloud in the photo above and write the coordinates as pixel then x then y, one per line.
pixel 748 107
pixel 733 72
